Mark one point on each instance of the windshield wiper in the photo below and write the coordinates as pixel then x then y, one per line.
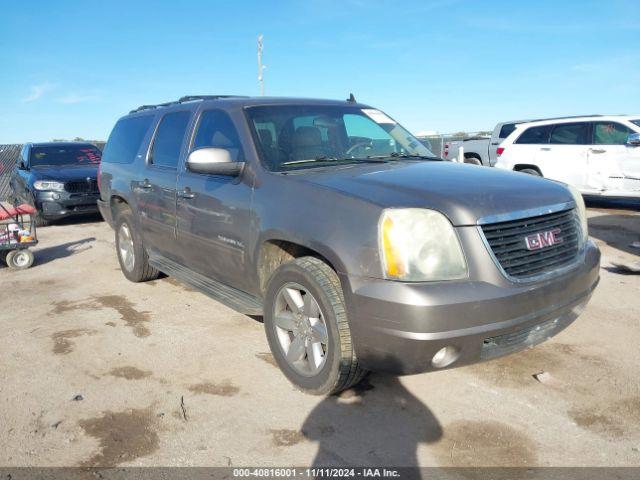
pixel 325 158
pixel 412 156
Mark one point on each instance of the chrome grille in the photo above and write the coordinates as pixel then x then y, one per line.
pixel 507 242
pixel 82 186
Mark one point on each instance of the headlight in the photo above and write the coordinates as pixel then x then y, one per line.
pixel 581 210
pixel 419 245
pixel 48 185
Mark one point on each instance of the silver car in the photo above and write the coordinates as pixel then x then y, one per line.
pixel 361 249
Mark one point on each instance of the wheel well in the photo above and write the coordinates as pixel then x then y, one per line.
pixel 519 167
pixel 276 252
pixel 475 156
pixel 117 205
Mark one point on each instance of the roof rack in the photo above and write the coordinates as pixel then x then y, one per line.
pixel 185 99
pixel 569 117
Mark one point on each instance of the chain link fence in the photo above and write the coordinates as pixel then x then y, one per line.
pixel 8 157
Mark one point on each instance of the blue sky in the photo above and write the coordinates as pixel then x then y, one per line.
pixel 71 68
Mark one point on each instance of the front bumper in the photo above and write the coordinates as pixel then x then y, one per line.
pixel 105 211
pixel 56 205
pixel 398 327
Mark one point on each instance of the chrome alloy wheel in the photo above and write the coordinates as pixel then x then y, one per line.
pixel 301 329
pixel 125 247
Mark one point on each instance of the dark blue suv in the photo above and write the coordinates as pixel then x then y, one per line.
pixel 58 178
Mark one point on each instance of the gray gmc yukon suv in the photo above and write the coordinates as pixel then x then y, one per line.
pixel 361 250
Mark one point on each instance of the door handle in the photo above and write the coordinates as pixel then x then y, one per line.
pixel 545 149
pixel 145 184
pixel 597 150
pixel 186 193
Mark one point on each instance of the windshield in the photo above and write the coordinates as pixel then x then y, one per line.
pixel 636 121
pixel 303 136
pixel 64 155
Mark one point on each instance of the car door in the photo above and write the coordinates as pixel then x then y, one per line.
pixel 524 149
pixel 610 159
pixel 213 211
pixel 156 190
pixel 564 158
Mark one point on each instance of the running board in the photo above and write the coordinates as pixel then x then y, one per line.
pixel 231 297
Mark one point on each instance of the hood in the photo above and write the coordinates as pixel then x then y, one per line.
pixel 64 173
pixel 464 193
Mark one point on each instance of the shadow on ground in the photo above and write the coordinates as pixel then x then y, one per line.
pixel 617 230
pixel 78 219
pixel 378 422
pixel 618 227
pixel 49 254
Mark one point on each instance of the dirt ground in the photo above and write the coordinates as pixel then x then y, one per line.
pixel 95 370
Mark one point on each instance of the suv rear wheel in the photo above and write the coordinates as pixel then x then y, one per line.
pixel 307 328
pixel 133 258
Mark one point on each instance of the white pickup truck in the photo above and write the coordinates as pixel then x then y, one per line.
pixel 480 150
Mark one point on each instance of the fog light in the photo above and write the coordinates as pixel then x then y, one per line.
pixel 445 356
pixel 55 196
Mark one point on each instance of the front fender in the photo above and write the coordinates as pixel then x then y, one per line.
pixel 341 228
pixel 324 250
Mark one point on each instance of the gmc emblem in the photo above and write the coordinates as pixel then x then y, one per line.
pixel 543 239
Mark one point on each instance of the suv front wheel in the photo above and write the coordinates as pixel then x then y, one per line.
pixel 133 258
pixel 307 328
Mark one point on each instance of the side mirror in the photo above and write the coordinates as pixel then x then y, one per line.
pixel 214 161
pixel 633 140
pixel 22 165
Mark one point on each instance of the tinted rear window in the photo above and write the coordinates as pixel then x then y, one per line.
pixel 570 134
pixel 125 139
pixel 506 130
pixel 57 155
pixel 169 138
pixel 535 135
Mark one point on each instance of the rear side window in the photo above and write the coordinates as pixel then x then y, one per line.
pixel 610 133
pixel 215 129
pixel 167 143
pixel 570 134
pixel 125 139
pixel 535 135
pixel 506 130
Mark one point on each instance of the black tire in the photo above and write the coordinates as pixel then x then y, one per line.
pixel 531 171
pixel 141 271
pixel 473 161
pixel 20 259
pixel 340 370
pixel 3 255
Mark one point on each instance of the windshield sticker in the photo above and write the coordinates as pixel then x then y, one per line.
pixel 377 116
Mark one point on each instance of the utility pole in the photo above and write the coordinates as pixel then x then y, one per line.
pixel 260 66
